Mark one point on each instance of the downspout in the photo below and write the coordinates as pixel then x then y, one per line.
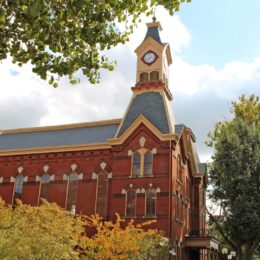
pixel 170 193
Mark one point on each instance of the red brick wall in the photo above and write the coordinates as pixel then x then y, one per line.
pixel 119 163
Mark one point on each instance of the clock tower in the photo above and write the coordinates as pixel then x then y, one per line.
pixel 151 98
pixel 153 58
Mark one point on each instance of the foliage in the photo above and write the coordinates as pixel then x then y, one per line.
pixel 49 232
pixel 63 36
pixel 114 241
pixel 44 232
pixel 235 176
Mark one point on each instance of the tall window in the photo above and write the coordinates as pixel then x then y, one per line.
pixel 154 75
pixel 44 186
pixel 142 163
pixel 18 189
pixel 72 192
pixel 143 77
pixel 150 202
pixel 177 206
pixel 179 168
pixel 136 164
pixel 131 203
pixel 148 159
pixel 101 199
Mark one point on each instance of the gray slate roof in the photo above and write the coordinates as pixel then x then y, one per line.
pixel 150 105
pixel 153 32
pixel 60 137
pixel 179 128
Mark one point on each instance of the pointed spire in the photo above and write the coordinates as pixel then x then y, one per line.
pixel 154 17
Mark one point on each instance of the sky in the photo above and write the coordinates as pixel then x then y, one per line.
pixel 216 58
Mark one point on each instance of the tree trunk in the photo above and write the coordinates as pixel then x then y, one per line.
pixel 245 254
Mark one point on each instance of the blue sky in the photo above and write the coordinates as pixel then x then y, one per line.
pixel 222 31
pixel 216 58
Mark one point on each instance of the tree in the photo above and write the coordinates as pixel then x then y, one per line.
pixel 62 37
pixel 49 232
pixel 121 240
pixel 235 176
pixel 44 232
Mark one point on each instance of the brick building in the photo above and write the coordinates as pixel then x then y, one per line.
pixel 143 166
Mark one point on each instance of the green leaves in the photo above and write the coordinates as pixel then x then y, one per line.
pixel 63 37
pixel 2 18
pixel 235 172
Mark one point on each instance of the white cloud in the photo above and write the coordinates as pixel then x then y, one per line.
pixel 226 82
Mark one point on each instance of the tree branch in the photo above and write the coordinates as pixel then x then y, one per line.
pixel 221 231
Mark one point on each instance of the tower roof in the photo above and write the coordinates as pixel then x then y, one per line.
pixel 153 31
pixel 150 105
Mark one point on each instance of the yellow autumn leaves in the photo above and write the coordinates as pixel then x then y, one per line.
pixel 49 232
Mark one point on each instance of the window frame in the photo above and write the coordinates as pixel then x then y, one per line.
pixel 151 163
pixel 179 169
pixel 146 74
pixel 71 181
pixel 135 203
pixel 154 72
pixel 97 186
pixel 155 203
pixel 43 183
pixel 20 176
pixel 133 163
pixel 20 184
pixel 142 151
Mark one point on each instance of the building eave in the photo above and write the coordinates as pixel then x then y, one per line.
pixel 203 242
pixel 56 149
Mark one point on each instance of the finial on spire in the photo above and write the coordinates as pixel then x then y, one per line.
pixel 154 17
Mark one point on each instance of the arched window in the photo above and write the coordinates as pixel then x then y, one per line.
pixel 130 203
pixel 143 77
pixel 148 165
pixel 44 186
pixel 18 189
pixel 150 199
pixel 72 192
pixel 136 164
pixel 154 75
pixel 101 199
pixel 19 184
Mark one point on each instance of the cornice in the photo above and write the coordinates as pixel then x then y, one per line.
pixel 44 150
pixel 152 86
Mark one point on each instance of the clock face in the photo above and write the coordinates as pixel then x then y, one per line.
pixel 149 57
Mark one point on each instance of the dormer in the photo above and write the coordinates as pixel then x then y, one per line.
pixel 153 57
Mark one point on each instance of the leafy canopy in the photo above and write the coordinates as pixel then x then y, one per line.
pixel 44 232
pixel 126 241
pixel 235 175
pixel 62 37
pixel 49 232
